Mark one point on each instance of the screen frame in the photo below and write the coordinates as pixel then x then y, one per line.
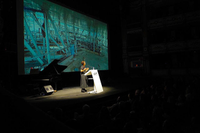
pixel 20 33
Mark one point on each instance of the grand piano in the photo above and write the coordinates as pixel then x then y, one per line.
pixel 50 75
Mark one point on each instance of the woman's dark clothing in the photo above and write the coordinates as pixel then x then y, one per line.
pixel 83 82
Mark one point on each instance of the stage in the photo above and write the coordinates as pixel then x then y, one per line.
pixel 32 111
pixel 72 96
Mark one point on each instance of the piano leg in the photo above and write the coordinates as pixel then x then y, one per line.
pixel 55 88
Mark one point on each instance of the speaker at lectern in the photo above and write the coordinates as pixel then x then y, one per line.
pixel 96 79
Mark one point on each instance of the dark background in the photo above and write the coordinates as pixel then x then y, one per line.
pixel 162 36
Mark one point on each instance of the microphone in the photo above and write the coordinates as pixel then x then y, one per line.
pixel 91 67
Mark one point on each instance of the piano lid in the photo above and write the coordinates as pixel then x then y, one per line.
pixel 53 68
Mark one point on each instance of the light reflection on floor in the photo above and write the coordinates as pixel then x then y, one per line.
pixel 72 94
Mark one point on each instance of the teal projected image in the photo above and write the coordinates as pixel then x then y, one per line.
pixel 54 32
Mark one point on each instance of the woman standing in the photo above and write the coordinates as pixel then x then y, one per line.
pixel 83 82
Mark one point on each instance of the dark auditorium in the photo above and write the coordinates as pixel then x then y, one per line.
pixel 83 66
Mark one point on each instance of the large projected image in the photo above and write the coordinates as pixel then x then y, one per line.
pixel 55 32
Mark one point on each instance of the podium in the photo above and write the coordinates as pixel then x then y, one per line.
pixel 97 82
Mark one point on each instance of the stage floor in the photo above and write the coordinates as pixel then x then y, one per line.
pixel 70 96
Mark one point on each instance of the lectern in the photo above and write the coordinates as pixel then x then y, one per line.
pixel 97 82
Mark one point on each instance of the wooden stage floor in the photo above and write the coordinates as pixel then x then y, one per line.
pixel 71 96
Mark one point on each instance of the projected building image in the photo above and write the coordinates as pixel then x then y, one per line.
pixel 55 32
